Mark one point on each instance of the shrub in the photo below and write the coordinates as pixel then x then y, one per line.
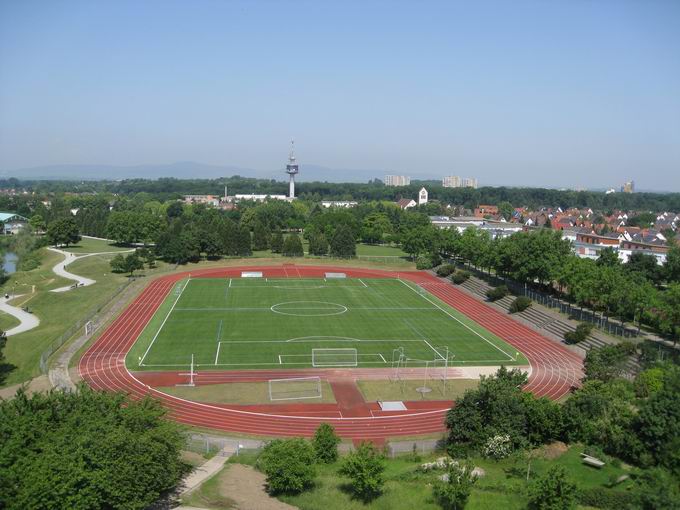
pixel 326 443
pixel 460 277
pixel 497 293
pixel 520 304
pixel 553 491
pixel 579 335
pixel 445 270
pixel 600 497
pixel 424 262
pixel 365 468
pixel 498 447
pixel 453 492
pixel 288 464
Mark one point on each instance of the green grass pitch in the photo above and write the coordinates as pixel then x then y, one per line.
pixel 269 323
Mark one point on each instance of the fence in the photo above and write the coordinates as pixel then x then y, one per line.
pixel 211 445
pixel 576 313
pixel 93 315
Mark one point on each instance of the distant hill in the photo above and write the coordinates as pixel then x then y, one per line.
pixel 186 170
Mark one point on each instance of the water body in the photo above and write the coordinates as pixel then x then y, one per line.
pixel 9 262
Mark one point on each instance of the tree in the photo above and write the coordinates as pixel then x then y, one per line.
pixel 318 245
pixel 326 443
pixel 37 223
pixel 343 243
pixel 608 257
pixel 292 246
pixel 243 241
pixel 3 366
pixel 656 488
pixel 672 266
pixel 277 242
pixel 133 263
pixel 86 449
pixel 261 236
pixel 505 209
pixel 375 226
pixel 608 362
pixel 118 264
pixel 63 231
pixel 646 266
pixel 553 491
pixel 453 492
pixel 365 468
pixel 148 256
pixel 289 465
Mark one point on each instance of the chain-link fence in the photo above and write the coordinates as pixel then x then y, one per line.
pixel 92 315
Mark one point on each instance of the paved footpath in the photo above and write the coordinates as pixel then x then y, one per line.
pixel 69 258
pixel 27 320
pixel 204 472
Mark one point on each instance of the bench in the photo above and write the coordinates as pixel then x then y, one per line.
pixel 592 461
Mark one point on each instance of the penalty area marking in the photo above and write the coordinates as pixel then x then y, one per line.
pixel 458 320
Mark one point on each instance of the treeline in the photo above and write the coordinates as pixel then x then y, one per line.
pixel 639 290
pixel 169 188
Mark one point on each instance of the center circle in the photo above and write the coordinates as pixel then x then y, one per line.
pixel 308 308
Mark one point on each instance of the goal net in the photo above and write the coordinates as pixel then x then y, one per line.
pixel 294 388
pixel 334 357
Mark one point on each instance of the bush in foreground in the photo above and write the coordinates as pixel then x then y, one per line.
pixel 497 293
pixel 520 304
pixel 289 465
pixel 553 491
pixel 579 335
pixel 326 443
pixel 453 492
pixel 365 469
pixel 86 449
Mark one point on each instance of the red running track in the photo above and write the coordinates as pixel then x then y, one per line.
pixel 554 369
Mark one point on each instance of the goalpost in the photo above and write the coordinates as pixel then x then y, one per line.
pixel 295 388
pixel 334 357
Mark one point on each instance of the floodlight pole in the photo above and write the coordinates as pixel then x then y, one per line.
pixel 191 372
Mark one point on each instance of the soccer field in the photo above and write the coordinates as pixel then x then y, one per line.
pixel 269 323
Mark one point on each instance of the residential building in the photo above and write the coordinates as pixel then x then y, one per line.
pixel 495 228
pixel 397 180
pixel 338 203
pixel 213 200
pixel 12 223
pixel 469 182
pixel 451 181
pixel 406 203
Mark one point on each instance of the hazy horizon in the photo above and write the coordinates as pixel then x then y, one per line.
pixel 560 94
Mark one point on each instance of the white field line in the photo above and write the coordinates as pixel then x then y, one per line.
pixel 141 362
pixel 301 308
pixel 180 365
pixel 458 320
pixel 435 350
pixel 362 283
pixel 219 344
pixel 229 282
pixel 383 357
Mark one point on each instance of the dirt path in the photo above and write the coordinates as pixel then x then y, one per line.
pixel 246 487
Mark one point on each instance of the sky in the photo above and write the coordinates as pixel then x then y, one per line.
pixel 575 93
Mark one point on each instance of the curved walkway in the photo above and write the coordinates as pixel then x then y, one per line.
pixel 69 258
pixel 555 369
pixel 27 320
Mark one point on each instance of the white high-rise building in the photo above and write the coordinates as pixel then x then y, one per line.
pixel 451 181
pixel 469 182
pixel 397 180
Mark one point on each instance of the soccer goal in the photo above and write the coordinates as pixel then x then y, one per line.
pixel 334 358
pixel 295 388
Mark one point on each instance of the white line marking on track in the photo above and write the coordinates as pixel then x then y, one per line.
pixel 219 344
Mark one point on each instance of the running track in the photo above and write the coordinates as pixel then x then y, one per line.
pixel 554 369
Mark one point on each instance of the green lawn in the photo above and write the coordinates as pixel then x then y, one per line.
pixel 7 321
pixel 502 487
pixel 379 250
pixel 276 323
pixel 451 389
pixel 87 245
pixel 56 311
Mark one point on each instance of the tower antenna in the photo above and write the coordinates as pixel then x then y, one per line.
pixel 292 169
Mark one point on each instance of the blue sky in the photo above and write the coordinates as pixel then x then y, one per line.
pixel 575 93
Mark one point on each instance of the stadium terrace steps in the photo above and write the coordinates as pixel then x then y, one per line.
pixel 546 321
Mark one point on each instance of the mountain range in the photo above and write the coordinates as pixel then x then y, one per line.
pixel 186 170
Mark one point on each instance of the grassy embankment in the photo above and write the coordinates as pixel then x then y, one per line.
pixel 503 486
